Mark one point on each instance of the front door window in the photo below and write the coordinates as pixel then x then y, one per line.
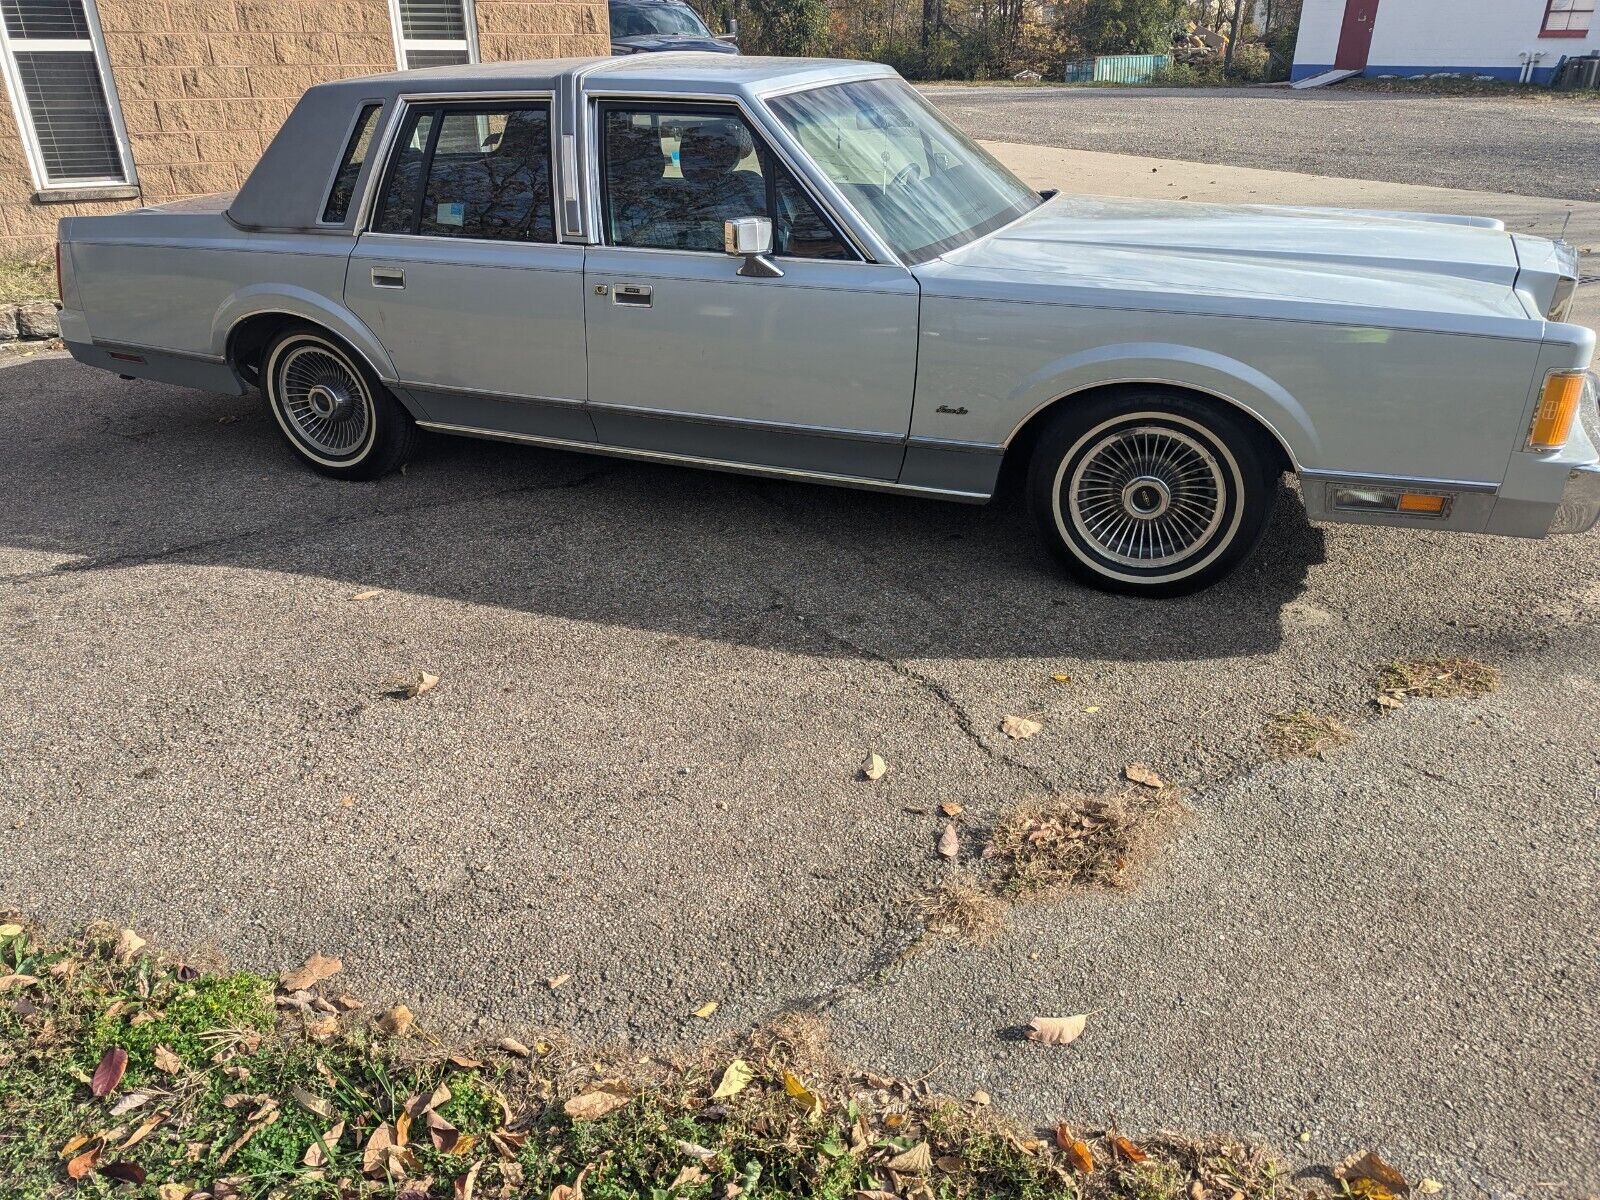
pixel 673 176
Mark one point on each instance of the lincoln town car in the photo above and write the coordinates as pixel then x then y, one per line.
pixel 799 269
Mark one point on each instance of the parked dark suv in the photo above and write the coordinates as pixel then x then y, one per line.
pixel 638 26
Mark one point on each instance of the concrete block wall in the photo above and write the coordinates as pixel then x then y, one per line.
pixel 204 85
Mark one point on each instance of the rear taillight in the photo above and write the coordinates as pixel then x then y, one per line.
pixel 61 291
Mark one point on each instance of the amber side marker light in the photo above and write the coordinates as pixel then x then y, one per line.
pixel 1558 408
pixel 1417 502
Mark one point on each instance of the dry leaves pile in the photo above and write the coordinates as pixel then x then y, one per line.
pixel 1077 841
pixel 1434 679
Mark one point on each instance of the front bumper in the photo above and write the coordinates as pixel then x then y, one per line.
pixel 1579 509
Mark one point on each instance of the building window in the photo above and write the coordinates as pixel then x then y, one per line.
pixel 432 33
pixel 1568 18
pixel 61 89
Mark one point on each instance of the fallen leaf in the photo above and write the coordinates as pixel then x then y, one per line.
pixel 146 1128
pixel 345 1002
pixel 916 1161
pixel 172 1191
pixel 415 1189
pixel 873 767
pixel 73 1144
pixel 109 1073
pixel 1372 1178
pixel 1429 1187
pixel 84 1163
pixel 168 1061
pixel 592 1105
pixel 949 842
pixel 129 943
pixel 980 1097
pixel 420 1106
pixel 347 801
pixel 1057 1031
pixel 465 1063
pixel 369 594
pixel 1081 1157
pixel 951 809
pixel 310 973
pixel 1143 775
pixel 698 1153
pixel 1062 678
pixel 420 686
pixel 7 982
pixel 687 1176
pixel 312 1102
pixel 801 1094
pixel 130 1102
pixel 1019 728
pixel 735 1078
pixel 705 1010
pixel 124 1172
pixel 374 1155
pixel 512 1046
pixel 319 1151
pixel 465 1185
pixel 574 1190
pixel 1387 701
pixel 1128 1150
pixel 402 1129
pixel 10 929
pixel 397 1022
pixel 1093 708
pixel 874 1194
pixel 322 1028
pixel 556 981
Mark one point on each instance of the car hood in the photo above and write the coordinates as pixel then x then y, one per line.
pixel 648 43
pixel 1253 259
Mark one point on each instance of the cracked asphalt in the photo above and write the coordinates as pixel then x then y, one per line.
pixel 639 768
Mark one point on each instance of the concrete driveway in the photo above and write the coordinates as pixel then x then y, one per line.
pixel 639 769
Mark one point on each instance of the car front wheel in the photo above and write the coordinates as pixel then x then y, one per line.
pixel 335 414
pixel 1150 492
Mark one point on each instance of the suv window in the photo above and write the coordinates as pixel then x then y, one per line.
pixel 472 173
pixel 355 154
pixel 672 177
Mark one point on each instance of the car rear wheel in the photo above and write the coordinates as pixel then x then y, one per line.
pixel 1150 492
pixel 330 407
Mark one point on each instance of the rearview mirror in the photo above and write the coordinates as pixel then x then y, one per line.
pixel 750 238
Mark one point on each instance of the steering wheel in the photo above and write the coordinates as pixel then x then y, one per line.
pixel 910 173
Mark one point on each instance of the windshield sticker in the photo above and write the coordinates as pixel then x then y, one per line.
pixel 452 214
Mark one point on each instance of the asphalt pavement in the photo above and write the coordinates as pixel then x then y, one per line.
pixel 1539 146
pixel 639 768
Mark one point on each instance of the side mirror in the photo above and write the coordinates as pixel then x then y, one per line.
pixel 732 35
pixel 750 238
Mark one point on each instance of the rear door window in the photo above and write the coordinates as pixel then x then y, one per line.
pixel 480 172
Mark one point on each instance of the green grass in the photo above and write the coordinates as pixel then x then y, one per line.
pixel 30 278
pixel 252 1092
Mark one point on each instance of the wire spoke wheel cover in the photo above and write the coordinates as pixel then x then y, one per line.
pixel 321 400
pixel 1149 495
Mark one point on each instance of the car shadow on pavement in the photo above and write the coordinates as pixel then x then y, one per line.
pixel 109 473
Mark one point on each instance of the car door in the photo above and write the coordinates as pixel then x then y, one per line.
pixel 462 280
pixel 810 371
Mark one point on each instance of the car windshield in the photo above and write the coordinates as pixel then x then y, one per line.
pixel 922 184
pixel 642 20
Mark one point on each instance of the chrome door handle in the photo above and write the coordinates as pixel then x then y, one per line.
pixel 388 277
pixel 632 293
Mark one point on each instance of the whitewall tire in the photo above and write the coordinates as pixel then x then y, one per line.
pixel 1151 491
pixel 331 409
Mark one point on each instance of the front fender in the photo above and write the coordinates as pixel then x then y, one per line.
pixel 1192 367
pixel 263 298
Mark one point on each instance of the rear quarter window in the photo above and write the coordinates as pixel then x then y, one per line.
pixel 355 157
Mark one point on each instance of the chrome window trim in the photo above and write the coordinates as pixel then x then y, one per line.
pixel 412 239
pixel 373 187
pixel 366 167
pixel 837 210
pixel 24 115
